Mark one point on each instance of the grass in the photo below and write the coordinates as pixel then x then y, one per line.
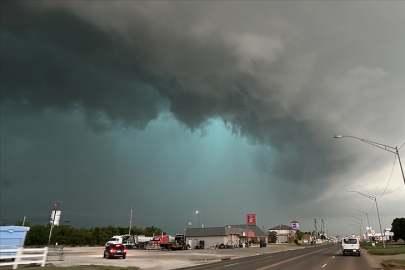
pixel 378 249
pixel 394 264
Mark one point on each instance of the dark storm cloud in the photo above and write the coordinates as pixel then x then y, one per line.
pixel 57 59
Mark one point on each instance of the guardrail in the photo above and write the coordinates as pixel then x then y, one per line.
pixel 18 256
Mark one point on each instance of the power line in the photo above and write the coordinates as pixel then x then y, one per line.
pixel 392 170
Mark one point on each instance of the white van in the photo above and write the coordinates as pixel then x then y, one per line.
pixel 351 245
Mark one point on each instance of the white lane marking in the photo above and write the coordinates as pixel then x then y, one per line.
pixel 324 265
pixel 333 257
pixel 231 264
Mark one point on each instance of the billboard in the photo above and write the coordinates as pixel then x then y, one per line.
pixel 57 217
pixel 251 218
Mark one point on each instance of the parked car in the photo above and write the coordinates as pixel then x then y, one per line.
pixel 115 250
pixel 351 245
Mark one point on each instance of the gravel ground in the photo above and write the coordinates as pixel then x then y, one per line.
pixel 156 259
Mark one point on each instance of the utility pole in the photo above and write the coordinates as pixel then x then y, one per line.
pixel 130 223
pixel 322 228
pixel 316 230
pixel 247 233
pixel 55 208
pixel 23 222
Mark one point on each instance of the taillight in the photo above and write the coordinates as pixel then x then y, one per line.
pixel 112 250
pixel 125 250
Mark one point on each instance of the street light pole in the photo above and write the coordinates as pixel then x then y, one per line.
pixel 53 220
pixel 130 223
pixel 361 222
pixel 378 214
pixel 199 218
pixel 356 226
pixel 368 222
pixel 391 149
pixel 359 226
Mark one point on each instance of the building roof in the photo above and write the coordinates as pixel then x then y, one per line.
pixel 281 227
pixel 252 228
pixel 224 231
pixel 211 231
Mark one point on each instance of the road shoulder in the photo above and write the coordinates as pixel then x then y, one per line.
pixel 375 261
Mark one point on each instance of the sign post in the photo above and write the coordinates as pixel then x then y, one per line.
pixel 250 219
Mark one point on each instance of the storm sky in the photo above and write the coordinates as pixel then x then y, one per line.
pixel 228 108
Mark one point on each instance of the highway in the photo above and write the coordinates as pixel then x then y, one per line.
pixel 325 257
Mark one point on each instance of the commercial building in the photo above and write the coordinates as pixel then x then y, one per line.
pixel 231 235
pixel 286 234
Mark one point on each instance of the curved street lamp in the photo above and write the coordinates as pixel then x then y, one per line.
pixel 391 149
pixel 378 214
pixel 361 223
pixel 358 226
pixel 368 221
pixel 363 213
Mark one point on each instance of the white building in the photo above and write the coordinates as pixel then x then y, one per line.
pixel 214 237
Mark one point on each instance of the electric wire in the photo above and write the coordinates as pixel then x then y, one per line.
pixel 392 170
pixel 372 208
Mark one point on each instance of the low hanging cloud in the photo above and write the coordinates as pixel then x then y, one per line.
pixel 128 68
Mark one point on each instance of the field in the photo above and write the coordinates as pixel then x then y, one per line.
pixel 390 249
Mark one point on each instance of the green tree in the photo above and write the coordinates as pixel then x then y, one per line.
pixel 67 235
pixel 122 230
pixel 37 235
pixel 111 231
pixel 137 231
pixel 19 223
pixel 100 235
pixel 83 237
pixel 62 234
pixel 273 237
pixel 300 235
pixel 398 228
pixel 149 231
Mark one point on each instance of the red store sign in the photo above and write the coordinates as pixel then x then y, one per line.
pixel 251 218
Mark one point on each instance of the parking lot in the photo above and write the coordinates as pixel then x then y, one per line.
pixel 157 259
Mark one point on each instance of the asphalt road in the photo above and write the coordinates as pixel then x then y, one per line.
pixel 326 257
